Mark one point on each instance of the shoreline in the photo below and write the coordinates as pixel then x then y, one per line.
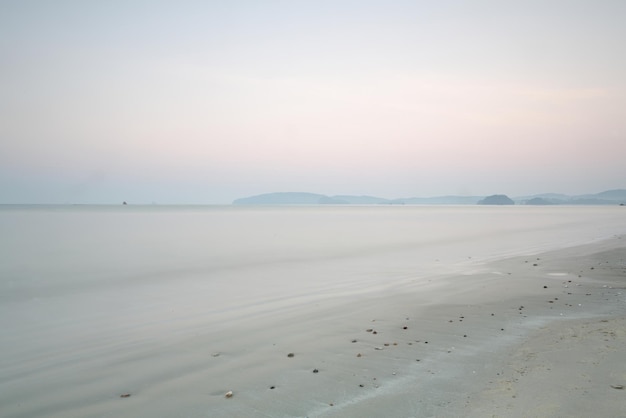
pixel 442 346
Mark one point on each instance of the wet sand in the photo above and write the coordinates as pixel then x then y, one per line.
pixel 540 335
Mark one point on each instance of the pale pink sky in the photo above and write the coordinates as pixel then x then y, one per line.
pixel 194 102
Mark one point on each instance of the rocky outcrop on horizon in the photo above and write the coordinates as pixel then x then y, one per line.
pixel 609 197
pixel 496 199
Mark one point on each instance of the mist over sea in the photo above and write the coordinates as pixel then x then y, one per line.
pixel 208 260
pixel 50 251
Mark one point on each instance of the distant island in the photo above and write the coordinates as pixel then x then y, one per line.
pixel 609 197
pixel 496 199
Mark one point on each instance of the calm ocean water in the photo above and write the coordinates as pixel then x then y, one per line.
pixel 86 290
pixel 237 256
pixel 51 249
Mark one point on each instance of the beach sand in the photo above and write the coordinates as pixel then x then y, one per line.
pixel 539 335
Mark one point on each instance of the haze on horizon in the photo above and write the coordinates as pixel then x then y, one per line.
pixel 206 102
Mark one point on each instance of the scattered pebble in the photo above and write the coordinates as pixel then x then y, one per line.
pixel 290 355
pixel 353 341
pixel 369 330
pixel 620 387
pixel 272 387
pixel 125 395
pixel 315 371
pixel 229 394
pixel 359 355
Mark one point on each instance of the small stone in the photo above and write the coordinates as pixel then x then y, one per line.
pixel 315 371
pixel 619 387
pixel 359 355
pixel 125 395
pixel 353 341
pixel 405 327
pixel 229 394
pixel 369 330
pixel 272 387
pixel 290 355
pixel 374 332
pixel 545 287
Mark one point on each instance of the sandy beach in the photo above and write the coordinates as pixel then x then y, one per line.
pixel 533 335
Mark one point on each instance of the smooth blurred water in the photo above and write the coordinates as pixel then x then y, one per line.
pixel 47 250
pixel 109 291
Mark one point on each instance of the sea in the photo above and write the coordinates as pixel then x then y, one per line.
pixel 105 280
pixel 238 257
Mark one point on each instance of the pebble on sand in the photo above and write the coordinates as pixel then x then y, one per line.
pixel 229 394
pixel 290 355
pixel 125 395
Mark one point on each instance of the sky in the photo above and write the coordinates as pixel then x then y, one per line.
pixel 203 102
